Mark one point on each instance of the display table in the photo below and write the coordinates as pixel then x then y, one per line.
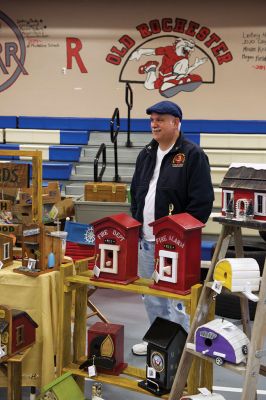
pixel 39 298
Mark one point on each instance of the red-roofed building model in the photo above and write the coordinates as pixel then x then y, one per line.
pixel 17 331
pixel 244 192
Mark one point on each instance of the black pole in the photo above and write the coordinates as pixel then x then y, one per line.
pixel 114 140
pixel 129 102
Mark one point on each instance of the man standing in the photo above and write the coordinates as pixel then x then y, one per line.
pixel 171 173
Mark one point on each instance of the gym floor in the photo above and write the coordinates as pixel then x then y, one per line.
pixel 128 309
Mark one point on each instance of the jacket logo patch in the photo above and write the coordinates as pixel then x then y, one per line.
pixel 178 160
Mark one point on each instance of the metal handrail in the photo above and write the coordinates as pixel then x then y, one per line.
pixel 112 124
pixel 129 103
pixel 114 140
pixel 102 150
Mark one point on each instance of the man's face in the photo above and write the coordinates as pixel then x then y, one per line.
pixel 165 128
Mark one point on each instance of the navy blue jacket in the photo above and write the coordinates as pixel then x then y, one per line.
pixel 184 181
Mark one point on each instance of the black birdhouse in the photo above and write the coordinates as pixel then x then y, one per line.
pixel 166 341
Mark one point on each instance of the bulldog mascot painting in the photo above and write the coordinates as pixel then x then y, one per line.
pixel 174 72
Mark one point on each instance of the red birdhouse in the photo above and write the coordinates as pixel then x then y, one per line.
pixel 116 249
pixel 177 252
pixel 17 331
pixel 106 347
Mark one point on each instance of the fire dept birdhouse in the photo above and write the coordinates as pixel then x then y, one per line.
pixel 177 252
pixel 116 249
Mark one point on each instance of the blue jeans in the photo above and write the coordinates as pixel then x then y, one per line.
pixel 173 310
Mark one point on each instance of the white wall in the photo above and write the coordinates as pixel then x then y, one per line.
pixel 239 87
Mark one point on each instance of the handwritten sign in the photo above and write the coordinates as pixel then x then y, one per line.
pixel 254 49
pixel 14 175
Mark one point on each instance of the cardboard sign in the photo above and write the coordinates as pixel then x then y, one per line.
pixel 5 205
pixel 14 175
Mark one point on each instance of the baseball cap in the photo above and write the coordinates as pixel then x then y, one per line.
pixel 165 107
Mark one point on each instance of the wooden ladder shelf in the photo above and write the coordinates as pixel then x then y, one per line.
pixel 251 370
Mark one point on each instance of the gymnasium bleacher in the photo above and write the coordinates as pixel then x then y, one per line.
pixel 69 146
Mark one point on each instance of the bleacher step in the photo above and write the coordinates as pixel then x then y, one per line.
pixel 137 138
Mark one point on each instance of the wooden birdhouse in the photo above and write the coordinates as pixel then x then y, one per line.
pixel 6 250
pixel 166 341
pixel 63 388
pixel 244 192
pixel 222 340
pixel 41 251
pixel 106 348
pixel 116 249
pixel 238 274
pixel 17 331
pixel 177 252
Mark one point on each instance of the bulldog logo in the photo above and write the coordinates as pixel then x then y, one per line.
pixel 178 160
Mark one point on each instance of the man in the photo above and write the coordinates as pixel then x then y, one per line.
pixel 171 172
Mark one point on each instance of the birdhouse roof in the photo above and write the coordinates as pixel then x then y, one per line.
pixel 184 220
pixel 222 327
pixel 56 382
pixel 124 220
pixel 245 176
pixel 18 313
pixel 162 332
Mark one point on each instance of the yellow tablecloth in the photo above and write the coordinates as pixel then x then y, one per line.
pixel 39 298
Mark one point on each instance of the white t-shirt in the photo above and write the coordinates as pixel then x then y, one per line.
pixel 149 207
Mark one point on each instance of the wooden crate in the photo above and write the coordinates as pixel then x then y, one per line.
pixel 105 191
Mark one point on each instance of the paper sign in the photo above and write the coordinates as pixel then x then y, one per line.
pixel 96 271
pixel 204 391
pixel 155 276
pixel 217 286
pixel 92 370
pixel 151 373
pixel 53 213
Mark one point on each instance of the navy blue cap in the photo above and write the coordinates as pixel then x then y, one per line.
pixel 165 107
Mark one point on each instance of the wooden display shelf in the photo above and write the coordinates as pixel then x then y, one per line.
pixel 139 286
pixel 14 374
pixel 238 368
pixel 253 368
pixel 127 380
pixel 72 350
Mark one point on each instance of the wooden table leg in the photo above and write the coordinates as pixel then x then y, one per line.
pixel 14 380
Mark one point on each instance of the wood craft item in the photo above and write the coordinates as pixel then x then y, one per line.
pixel 223 341
pixel 14 175
pixel 177 253
pixel 17 332
pixel 166 341
pixel 238 274
pixel 41 251
pixel 105 191
pixel 62 388
pixel 116 249
pixel 244 192
pixel 106 348
pixel 6 250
